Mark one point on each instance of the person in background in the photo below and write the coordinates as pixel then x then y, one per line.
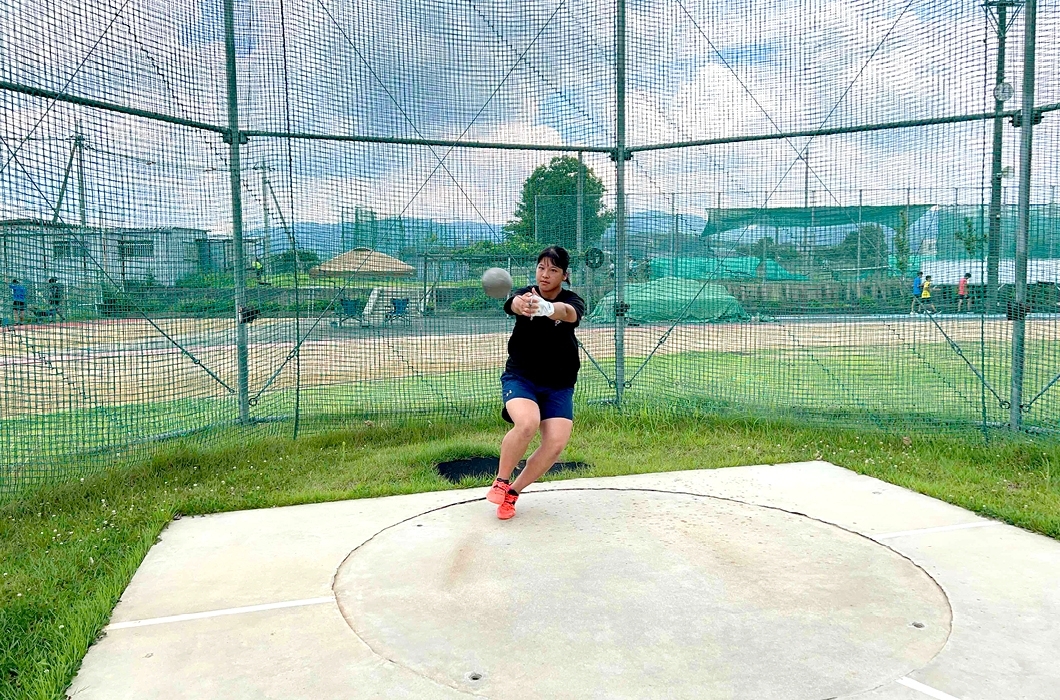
pixel 962 293
pixel 18 301
pixel 259 270
pixel 55 298
pixel 918 289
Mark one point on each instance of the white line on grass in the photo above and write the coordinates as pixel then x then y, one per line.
pixel 925 689
pixel 943 528
pixel 219 613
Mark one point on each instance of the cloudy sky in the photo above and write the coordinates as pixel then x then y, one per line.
pixel 531 72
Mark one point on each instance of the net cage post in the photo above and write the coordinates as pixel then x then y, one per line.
pixel 1030 12
pixel 234 136
pixel 620 156
pixel 993 254
pixel 579 217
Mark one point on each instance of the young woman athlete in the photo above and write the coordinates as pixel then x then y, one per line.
pixel 538 380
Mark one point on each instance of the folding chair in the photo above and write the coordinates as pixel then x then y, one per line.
pixel 399 311
pixel 348 309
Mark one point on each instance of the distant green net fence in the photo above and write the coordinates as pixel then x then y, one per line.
pixel 275 213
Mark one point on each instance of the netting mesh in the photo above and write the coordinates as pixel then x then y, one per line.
pixel 788 168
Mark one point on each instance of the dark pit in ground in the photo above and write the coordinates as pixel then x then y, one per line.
pixel 455 470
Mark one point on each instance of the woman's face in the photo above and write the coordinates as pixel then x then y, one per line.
pixel 549 276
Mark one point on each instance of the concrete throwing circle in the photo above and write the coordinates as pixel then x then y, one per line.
pixel 637 594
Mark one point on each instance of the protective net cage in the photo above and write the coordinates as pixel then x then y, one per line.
pixel 275 213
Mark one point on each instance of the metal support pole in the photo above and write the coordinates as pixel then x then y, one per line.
pixel 82 210
pixel 620 156
pixel 265 204
pixel 806 206
pixel 238 268
pixel 79 143
pixel 579 216
pixel 1030 10
pixel 993 247
pixel 673 235
pixel 858 279
pixel 536 238
pixel 56 212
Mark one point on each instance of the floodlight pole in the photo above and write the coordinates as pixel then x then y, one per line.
pixel 234 138
pixel 620 156
pixel 993 245
pixel 1030 12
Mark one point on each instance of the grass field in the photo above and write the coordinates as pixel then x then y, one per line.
pixel 68 551
pixel 874 386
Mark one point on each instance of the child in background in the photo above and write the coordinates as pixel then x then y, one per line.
pixel 925 296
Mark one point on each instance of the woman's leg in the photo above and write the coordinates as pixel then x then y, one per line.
pixel 527 417
pixel 555 432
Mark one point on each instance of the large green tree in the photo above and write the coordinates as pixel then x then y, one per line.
pixel 548 209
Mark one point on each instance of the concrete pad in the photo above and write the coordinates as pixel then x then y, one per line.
pixel 685 584
pixel 305 652
pixel 691 597
pixel 1006 589
pixel 279 554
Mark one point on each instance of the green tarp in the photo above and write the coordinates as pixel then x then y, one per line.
pixel 962 231
pixel 672 299
pixel 743 268
pixel 720 220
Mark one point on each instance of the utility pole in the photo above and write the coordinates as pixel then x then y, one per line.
pixel 1023 227
pixel 997 15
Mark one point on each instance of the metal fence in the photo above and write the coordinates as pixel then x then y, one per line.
pixel 275 213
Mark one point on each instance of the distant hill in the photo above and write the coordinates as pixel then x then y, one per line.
pixel 649 233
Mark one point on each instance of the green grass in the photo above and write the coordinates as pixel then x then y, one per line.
pixel 67 552
pixel 868 386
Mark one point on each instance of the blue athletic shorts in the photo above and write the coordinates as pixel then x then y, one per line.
pixel 553 403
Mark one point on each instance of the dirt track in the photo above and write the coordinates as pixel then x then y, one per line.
pixel 58 367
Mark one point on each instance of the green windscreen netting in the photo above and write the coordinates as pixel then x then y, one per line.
pixel 733 268
pixel 271 216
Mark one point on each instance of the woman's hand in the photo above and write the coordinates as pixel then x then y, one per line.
pixel 541 307
pixel 522 306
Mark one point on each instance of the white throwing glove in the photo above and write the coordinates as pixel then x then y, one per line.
pixel 544 307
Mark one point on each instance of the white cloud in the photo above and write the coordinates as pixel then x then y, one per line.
pixel 427 68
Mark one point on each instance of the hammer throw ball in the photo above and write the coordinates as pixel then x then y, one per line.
pixel 497 283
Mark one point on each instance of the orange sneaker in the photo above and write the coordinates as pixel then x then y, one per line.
pixel 497 492
pixel 507 509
